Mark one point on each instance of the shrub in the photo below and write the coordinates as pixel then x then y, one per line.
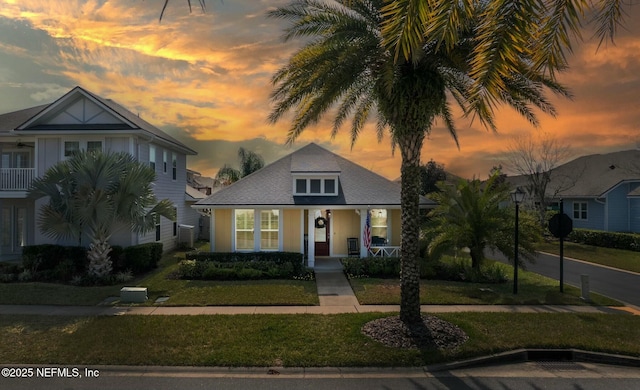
pixel 626 241
pixel 142 258
pixel 461 270
pixel 54 262
pixel 378 267
pixel 258 265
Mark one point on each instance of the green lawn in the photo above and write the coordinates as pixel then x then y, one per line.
pixel 616 258
pixel 533 289
pixel 295 340
pixel 35 293
pixel 159 284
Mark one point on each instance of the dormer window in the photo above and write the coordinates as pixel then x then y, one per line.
pixel 317 186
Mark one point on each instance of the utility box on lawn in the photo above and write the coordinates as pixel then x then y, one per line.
pixel 133 294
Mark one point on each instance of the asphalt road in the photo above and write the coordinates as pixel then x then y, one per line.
pixel 620 285
pixel 521 376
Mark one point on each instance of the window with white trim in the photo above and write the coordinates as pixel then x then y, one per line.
pixel 379 226
pixel 269 229
pixel 317 186
pixel 580 210
pixel 165 159
pixel 244 226
pixel 152 157
pixel 73 147
pixel 158 227
pixel 174 165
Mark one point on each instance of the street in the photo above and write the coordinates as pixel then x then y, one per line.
pixel 620 285
pixel 534 376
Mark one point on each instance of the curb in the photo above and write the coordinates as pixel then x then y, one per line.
pixel 540 355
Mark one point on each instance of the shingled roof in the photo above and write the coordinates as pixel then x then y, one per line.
pixel 273 184
pixel 591 176
pixel 26 120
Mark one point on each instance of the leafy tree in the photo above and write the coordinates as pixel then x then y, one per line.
pixel 430 174
pixel 502 177
pixel 349 63
pixel 93 193
pixel 249 163
pixel 475 215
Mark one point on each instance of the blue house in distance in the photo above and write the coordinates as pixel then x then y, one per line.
pixel 599 191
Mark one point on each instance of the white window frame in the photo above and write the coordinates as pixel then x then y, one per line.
pixel 271 229
pixel 236 230
pixel 583 207
pixel 174 165
pixel 323 180
pixel 158 230
pixel 152 157
pixel 374 212
pixel 82 145
pixel 165 161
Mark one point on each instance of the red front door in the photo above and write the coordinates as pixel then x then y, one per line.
pixel 322 234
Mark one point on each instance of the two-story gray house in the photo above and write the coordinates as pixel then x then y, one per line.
pixel 34 139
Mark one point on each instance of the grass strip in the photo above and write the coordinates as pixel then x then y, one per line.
pixel 533 289
pixel 295 340
pixel 616 258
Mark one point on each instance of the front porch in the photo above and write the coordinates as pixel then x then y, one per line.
pixel 317 232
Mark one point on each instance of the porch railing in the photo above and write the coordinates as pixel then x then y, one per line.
pixel 16 179
pixel 384 251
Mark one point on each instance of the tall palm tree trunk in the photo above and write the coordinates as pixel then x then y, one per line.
pixel 410 148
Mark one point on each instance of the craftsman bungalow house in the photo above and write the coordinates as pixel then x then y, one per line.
pixel 311 201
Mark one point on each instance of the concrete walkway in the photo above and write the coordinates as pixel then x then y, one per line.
pixel 334 293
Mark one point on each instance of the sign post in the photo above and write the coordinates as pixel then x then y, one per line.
pixel 560 225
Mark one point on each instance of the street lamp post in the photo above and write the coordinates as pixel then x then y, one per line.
pixel 517 197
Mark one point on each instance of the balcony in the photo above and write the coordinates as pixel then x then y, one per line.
pixel 16 179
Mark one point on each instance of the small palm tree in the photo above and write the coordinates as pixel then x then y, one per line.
pixel 94 193
pixel 249 163
pixel 476 215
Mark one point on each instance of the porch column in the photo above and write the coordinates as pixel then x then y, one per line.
pixel 363 222
pixel 212 231
pixel 311 239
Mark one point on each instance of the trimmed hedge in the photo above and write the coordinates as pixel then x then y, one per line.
pixel 50 262
pixel 374 267
pixel 626 241
pixel 234 266
pixel 142 258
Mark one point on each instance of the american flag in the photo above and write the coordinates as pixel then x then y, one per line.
pixel 366 234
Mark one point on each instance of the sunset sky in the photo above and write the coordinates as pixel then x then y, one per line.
pixel 205 79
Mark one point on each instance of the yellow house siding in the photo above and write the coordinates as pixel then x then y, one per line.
pixel 346 223
pixel 395 227
pixel 291 230
pixel 223 230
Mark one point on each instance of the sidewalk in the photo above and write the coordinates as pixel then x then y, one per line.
pixel 335 296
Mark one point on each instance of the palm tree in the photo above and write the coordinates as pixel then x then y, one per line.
pixel 540 31
pixel 94 193
pixel 474 215
pixel 249 163
pixel 346 65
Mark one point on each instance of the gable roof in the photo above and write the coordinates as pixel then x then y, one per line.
pixel 273 184
pixel 117 118
pixel 591 176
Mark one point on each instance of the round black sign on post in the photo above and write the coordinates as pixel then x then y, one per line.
pixel 560 225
